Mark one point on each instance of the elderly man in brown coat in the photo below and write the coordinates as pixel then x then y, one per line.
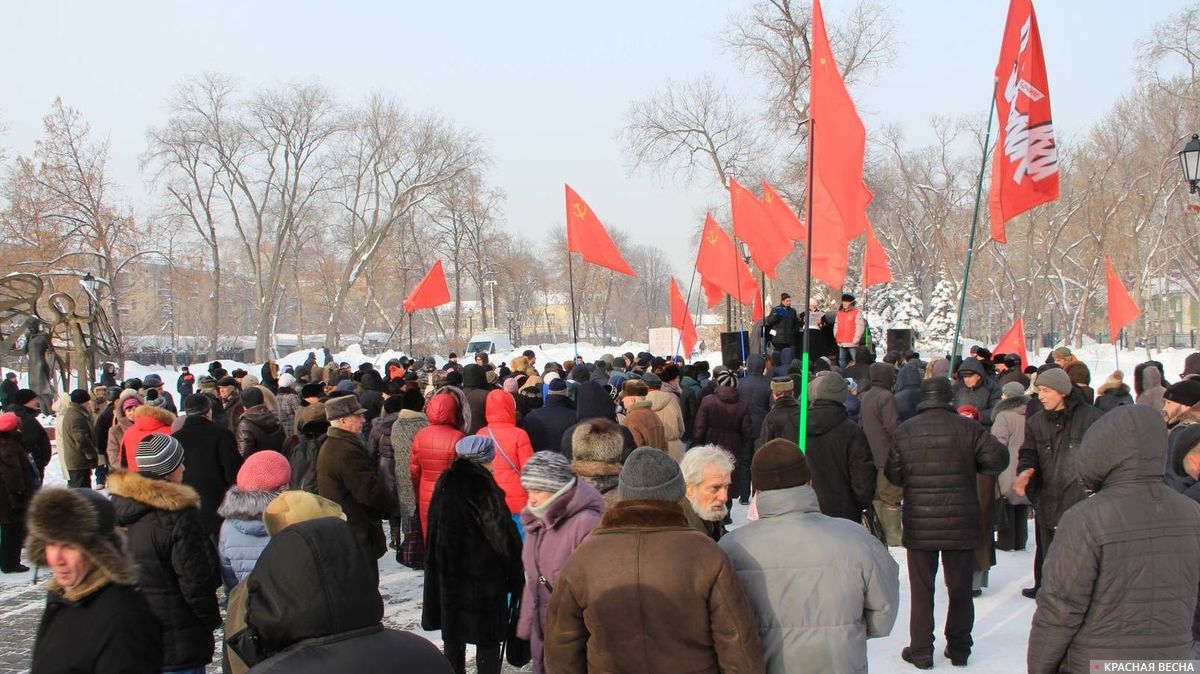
pixel 620 603
pixel 640 419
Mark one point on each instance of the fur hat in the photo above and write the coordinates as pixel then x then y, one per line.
pixel 293 507
pixel 82 517
pixel 779 464
pixel 265 470
pixel 1114 381
pixel 342 406
pixel 597 440
pixel 1055 379
pixel 80 396
pixel 546 471
pixel 197 404
pixel 1185 392
pixel 1061 352
pixel 783 385
pixel 651 473
pixel 312 390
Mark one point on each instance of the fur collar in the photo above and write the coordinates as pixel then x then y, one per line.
pixel 643 514
pixel 158 494
pixel 595 468
pixel 245 505
pixel 163 416
pixel 1017 403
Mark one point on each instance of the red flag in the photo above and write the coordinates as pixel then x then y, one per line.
pixel 1121 307
pixel 586 236
pixel 756 313
pixel 782 216
pixel 681 320
pixel 1013 341
pixel 720 264
pixel 712 294
pixel 431 292
pixel 1025 168
pixel 875 262
pixel 753 224
pixel 839 143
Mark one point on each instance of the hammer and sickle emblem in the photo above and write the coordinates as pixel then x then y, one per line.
pixel 579 209
pixel 767 197
pixel 712 238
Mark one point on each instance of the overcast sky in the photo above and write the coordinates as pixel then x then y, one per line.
pixel 545 84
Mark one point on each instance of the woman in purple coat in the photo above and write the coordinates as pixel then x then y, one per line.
pixel 724 419
pixel 561 512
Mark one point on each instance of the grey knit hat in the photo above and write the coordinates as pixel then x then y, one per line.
pixel 650 473
pixel 1055 378
pixel 724 377
pixel 828 386
pixel 1012 389
pixel 546 471
pixel 158 454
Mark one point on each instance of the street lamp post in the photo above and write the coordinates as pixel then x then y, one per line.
pixel 509 314
pixel 1189 160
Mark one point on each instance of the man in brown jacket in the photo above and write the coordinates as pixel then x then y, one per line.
pixel 640 419
pixel 621 605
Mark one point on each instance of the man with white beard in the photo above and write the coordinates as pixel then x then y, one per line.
pixel 707 471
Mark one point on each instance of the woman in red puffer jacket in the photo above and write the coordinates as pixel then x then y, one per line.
pixel 147 420
pixel 433 447
pixel 511 442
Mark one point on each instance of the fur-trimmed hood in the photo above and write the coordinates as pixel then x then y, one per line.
pixel 64 515
pixel 245 505
pixel 1015 403
pixel 155 494
pixel 158 414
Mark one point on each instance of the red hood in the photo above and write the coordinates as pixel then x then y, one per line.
pixel 501 408
pixel 442 410
pixel 149 424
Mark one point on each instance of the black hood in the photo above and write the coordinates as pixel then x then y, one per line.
pixel 824 416
pixel 971 366
pixel 311 580
pixel 473 377
pixel 882 375
pixel 908 378
pixel 1126 445
pixel 593 402
pixel 755 364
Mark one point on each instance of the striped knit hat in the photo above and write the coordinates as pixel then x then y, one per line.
pixel 546 471
pixel 158 455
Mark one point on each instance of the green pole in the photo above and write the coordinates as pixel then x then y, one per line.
pixel 962 294
pixel 802 432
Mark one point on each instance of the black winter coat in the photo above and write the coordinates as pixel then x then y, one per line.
pixel 984 397
pixel 755 391
pixel 908 391
pixel 546 424
pixel 783 421
pixel 348 476
pixel 211 463
pixel 18 479
pixel 1120 580
pixel 257 430
pixel 724 420
pixel 8 391
pixel 472 558
pixel 34 437
pixel 109 630
pixel 476 388
pixel 1113 398
pixel 102 426
pixel 878 414
pixel 592 402
pixel 311 602
pixel 178 572
pixel 1051 447
pixel 843 474
pixel 935 457
pixel 786 325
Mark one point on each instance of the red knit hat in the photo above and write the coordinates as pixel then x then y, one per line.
pixel 267 470
pixel 8 422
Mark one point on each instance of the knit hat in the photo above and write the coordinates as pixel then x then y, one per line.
pixel 828 386
pixel 286 380
pixel 24 396
pixel 293 507
pixel 779 464
pixel 652 380
pixel 8 422
pixel 1055 379
pixel 1012 389
pixel 196 404
pixel 725 377
pixel 1185 392
pixel 455 378
pixel 477 448
pixel 158 454
pixel 80 396
pixel 969 411
pixel 597 440
pixel 635 387
pixel 265 470
pixel 342 406
pixel 1061 352
pixel 512 384
pixel 251 397
pixel 546 471
pixel 783 385
pixel 650 473
pixel 556 387
pixel 130 403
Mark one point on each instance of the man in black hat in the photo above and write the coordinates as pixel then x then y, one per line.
pixel 77 446
pixel 210 458
pixel 935 457
pixel 848 328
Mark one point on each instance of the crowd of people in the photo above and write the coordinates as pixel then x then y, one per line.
pixel 576 515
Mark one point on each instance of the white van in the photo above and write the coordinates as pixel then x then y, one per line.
pixel 489 343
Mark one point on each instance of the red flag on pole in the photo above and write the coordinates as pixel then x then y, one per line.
pixel 1025 166
pixel 587 236
pixel 756 313
pixel 753 224
pixel 681 320
pixel 431 292
pixel 875 262
pixel 1121 307
pixel 782 216
pixel 720 264
pixel 839 146
pixel 712 294
pixel 1013 341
